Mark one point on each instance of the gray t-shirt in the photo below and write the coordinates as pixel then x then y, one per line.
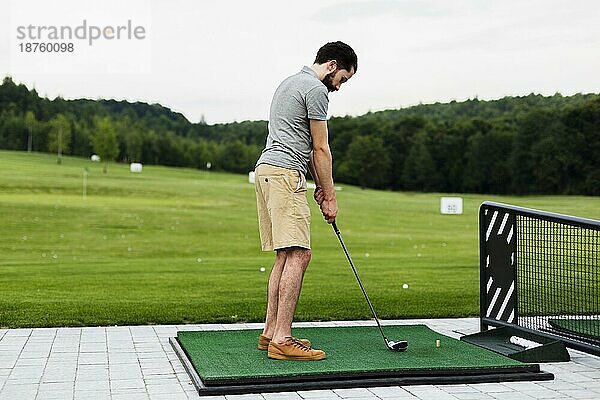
pixel 298 99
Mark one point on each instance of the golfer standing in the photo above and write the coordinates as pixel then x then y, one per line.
pixel 297 140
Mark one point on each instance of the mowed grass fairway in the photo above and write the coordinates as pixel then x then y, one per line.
pixel 181 246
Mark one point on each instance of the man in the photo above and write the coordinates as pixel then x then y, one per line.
pixel 297 140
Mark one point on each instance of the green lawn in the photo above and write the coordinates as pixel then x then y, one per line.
pixel 180 245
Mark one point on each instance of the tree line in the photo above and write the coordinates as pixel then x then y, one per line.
pixel 514 145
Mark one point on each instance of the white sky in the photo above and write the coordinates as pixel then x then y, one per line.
pixel 224 59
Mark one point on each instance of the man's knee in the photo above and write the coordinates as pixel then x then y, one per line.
pixel 302 255
pixel 305 255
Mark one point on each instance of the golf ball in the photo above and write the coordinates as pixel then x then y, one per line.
pixel 262 269
pixel 405 286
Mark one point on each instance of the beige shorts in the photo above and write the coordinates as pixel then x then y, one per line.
pixel 283 212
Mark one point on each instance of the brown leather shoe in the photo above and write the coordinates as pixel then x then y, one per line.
pixel 294 350
pixel 263 342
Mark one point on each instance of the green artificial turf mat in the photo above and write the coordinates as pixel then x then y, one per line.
pixel 584 327
pixel 221 357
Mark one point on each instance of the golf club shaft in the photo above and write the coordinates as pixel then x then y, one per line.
pixel 339 235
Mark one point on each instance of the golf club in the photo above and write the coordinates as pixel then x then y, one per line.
pixel 391 344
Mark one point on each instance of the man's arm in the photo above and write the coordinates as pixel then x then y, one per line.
pixel 313 172
pixel 318 194
pixel 322 160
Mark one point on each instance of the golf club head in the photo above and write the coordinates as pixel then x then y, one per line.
pixel 397 346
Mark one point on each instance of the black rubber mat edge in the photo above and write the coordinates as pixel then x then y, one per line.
pixel 353 381
pixel 372 374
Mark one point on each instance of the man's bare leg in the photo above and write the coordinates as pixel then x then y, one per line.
pixel 273 294
pixel 290 283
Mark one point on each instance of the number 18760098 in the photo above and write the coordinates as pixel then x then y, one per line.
pixel 41 47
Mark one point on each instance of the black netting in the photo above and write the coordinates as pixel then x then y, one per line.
pixel 558 278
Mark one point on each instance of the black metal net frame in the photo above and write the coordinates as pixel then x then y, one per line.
pixel 540 273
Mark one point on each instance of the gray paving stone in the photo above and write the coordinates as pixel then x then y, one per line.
pixel 125 374
pixel 92 339
pixel 36 354
pixel 559 384
pixel 116 385
pixel 85 377
pixel 169 388
pixel 63 358
pixel 128 391
pixel 511 396
pixel 21 362
pixel 157 355
pixel 354 393
pixel 18 391
pixel 24 381
pixel 123 357
pixel 318 394
pixel 159 373
pixel 92 347
pixel 452 389
pixel 544 393
pixel 475 396
pixel 580 394
pixel 149 346
pixel 491 387
pixel 113 333
pixel 155 363
pixel 523 386
pixel 577 367
pixel 65 348
pixel 390 391
pixel 194 396
pixel 58 391
pixel 27 372
pixel 576 378
pixel 168 396
pixel 87 386
pixel 8 362
pixel 119 343
pixel 92 370
pixel 92 358
pixel 197 397
pixel 92 395
pixel 59 373
pixel 244 397
pixel 429 392
pixel 18 333
pixel 371 397
pixel 55 395
pixel 282 396
pixel 129 396
pixel 595 384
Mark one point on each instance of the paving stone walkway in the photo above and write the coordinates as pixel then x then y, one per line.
pixel 137 362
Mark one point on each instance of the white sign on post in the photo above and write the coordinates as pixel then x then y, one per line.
pixel 451 205
pixel 135 167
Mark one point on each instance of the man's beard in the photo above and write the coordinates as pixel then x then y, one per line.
pixel 328 81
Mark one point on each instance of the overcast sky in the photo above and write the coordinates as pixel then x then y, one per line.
pixel 224 59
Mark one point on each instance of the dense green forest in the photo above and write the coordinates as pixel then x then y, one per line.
pixel 518 145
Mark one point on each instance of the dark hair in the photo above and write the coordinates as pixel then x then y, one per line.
pixel 340 52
